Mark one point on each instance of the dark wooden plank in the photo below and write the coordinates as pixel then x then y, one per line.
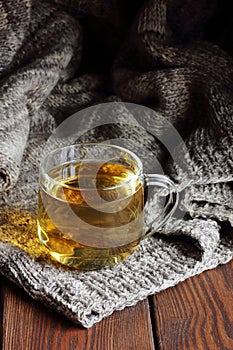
pixel 2 297
pixel 27 325
pixel 197 313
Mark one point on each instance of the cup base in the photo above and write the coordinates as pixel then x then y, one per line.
pixel 88 264
pixel 85 258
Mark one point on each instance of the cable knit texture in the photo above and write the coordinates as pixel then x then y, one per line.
pixel 58 57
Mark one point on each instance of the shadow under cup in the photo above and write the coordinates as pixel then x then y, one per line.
pixel 91 204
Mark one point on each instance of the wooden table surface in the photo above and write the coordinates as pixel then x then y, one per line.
pixel 196 314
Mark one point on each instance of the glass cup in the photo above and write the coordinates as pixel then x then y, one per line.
pixel 91 204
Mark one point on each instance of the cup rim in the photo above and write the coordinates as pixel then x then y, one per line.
pixel 132 154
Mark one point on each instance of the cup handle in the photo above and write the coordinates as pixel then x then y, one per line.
pixel 165 183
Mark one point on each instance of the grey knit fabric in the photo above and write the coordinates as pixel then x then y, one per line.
pixel 58 57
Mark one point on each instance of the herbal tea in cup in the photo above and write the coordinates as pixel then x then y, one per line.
pixel 91 204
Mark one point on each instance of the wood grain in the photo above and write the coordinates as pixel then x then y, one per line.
pixel 196 314
pixel 27 325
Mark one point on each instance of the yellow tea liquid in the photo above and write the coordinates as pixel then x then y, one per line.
pixel 91 215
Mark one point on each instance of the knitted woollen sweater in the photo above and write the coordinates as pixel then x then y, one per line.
pixel 58 57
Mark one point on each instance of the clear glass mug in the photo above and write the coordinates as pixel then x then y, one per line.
pixel 91 204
